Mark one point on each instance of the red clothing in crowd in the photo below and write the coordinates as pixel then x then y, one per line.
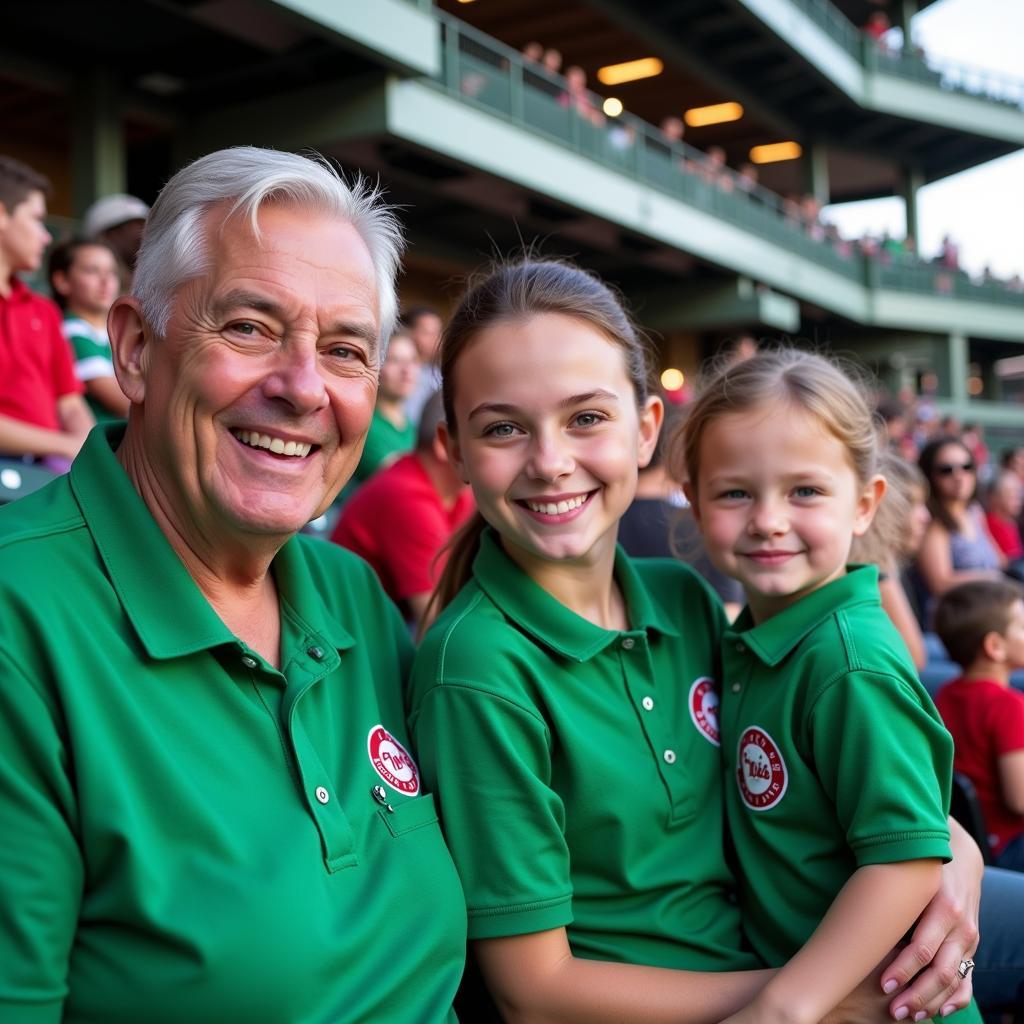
pixel 1006 534
pixel 35 360
pixel 986 721
pixel 396 521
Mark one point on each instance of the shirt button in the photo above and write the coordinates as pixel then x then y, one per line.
pixel 316 653
pixel 628 644
pixel 670 757
pixel 735 687
pixel 322 795
pixel 648 703
pixel 248 661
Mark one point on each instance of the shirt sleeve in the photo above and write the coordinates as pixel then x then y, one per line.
pixel 41 871
pixel 413 548
pixel 488 760
pixel 62 369
pixel 1008 724
pixel 886 761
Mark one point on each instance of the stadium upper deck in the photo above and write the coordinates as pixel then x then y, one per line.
pixel 482 147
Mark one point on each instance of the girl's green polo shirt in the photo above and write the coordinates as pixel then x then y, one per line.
pixel 578 768
pixel 835 758
pixel 188 833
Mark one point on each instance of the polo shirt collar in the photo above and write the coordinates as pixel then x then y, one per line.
pixel 165 606
pixel 775 638
pixel 19 291
pixel 546 619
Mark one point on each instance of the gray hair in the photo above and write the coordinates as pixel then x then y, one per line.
pixel 175 247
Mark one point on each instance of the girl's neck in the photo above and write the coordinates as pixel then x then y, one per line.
pixel 98 320
pixel 586 587
pixel 392 410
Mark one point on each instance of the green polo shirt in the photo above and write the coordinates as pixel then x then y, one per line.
pixel 383 439
pixel 188 833
pixel 835 757
pixel 578 768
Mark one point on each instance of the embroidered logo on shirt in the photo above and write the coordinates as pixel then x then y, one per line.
pixel 392 762
pixel 704 709
pixel 761 772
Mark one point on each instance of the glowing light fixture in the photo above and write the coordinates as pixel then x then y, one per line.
pixel 774 152
pixel 717 113
pixel 630 71
pixel 612 107
pixel 672 379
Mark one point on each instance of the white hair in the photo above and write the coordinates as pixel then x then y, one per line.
pixel 175 247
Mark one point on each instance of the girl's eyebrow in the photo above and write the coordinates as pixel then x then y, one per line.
pixel 504 409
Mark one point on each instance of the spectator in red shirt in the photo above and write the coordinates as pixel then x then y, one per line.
pixel 1005 500
pixel 982 626
pixel 402 517
pixel 42 412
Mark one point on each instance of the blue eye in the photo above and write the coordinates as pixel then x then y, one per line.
pixel 500 430
pixel 806 492
pixel 588 419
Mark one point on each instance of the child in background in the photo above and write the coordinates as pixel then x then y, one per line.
pixel 85 280
pixel 837 765
pixel 982 626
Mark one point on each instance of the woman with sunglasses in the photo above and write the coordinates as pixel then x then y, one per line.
pixel 957 546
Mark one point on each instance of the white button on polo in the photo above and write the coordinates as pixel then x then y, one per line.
pixel 322 795
pixel 648 703
pixel 735 687
pixel 670 757
pixel 249 662
pixel 628 644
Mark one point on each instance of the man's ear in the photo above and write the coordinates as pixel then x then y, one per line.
pixel 130 338
pixel 450 442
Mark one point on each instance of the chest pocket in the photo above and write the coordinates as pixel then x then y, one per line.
pixel 410 815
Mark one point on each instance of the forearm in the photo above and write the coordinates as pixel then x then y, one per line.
pixel 18 438
pixel 108 393
pixel 535 979
pixel 75 416
pixel 872 912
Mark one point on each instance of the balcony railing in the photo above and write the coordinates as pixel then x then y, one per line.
pixel 484 72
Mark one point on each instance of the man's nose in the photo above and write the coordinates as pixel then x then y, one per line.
pixel 297 378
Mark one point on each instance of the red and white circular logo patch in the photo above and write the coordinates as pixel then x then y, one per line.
pixel 761 772
pixel 704 709
pixel 392 762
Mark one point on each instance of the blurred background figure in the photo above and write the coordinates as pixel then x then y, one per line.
pixel 118 220
pixel 85 280
pixel 42 413
pixel 401 519
pixel 424 325
pixel 392 433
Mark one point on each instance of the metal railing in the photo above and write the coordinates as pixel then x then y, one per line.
pixel 485 73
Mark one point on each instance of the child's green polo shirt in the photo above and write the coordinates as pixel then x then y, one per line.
pixel 578 768
pixel 90 348
pixel 835 757
pixel 189 834
pixel 383 440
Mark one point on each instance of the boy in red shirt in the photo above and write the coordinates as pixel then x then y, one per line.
pixel 42 412
pixel 982 625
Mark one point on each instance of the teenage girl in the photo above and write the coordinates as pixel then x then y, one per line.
pixel 837 765
pixel 564 703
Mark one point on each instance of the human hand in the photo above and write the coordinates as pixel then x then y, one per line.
pixel 946 933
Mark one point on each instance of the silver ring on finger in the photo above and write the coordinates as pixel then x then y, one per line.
pixel 965 968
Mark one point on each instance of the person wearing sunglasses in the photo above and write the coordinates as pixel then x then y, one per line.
pixel 957 545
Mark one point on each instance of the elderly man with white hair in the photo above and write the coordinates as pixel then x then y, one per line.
pixel 208 807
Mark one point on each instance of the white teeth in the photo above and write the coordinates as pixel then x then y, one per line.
pixel 254 439
pixel 550 508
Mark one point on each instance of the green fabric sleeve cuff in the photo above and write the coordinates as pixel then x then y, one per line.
pixel 532 917
pixel 892 849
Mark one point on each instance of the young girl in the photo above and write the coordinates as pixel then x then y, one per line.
pixel 837 766
pixel 564 703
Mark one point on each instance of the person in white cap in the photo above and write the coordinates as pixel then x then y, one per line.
pixel 118 220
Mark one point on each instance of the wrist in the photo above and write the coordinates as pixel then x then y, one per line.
pixel 772 1007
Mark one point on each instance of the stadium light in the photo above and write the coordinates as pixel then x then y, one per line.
pixel 612 107
pixel 717 113
pixel 773 152
pixel 672 379
pixel 630 71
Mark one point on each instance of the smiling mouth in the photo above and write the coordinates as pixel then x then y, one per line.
pixel 556 508
pixel 770 557
pixel 274 445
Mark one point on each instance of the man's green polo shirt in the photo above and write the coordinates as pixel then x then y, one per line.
pixel 189 834
pixel 578 768
pixel 835 757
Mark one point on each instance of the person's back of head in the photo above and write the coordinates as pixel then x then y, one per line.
pixel 23 236
pixel 968 613
pixel 431 417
